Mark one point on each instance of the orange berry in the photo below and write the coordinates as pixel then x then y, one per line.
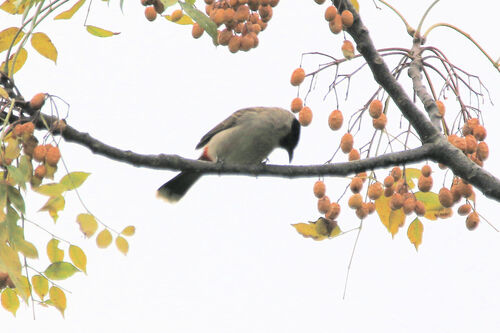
pixel 197 31
pixel 354 155
pixel 234 44
pixel 355 201
pixel 346 143
pixel 375 191
pixel 419 208
pixel 305 116
pixel 465 209
pixel 29 145
pixel 441 108
pixel 362 211
pixel 425 183
pixel 335 120
pixel 53 155
pixel 158 6
pixel 465 190
pixel 470 144
pixel 396 173
pixel 426 170
pixel 348 49
pixel 319 189
pixel 347 18
pixel 362 175
pixel 333 211
pixel 247 42
pixel 217 16
pixel 472 221
pixel 389 191
pixel 445 197
pixel 40 171
pixel 298 77
pixel 39 153
pixel 371 207
pixel 178 14
pixel 330 13
pixel 297 104
pixel 375 109
pixel 323 204
pixel 479 132
pixel 224 36
pixel 356 185
pixel 409 205
pixel 18 130
pixel 336 24
pixel 380 122
pixel 28 128
pixel 320 2
pixel 396 201
pixel 37 101
pixel 150 13
pixel 482 151
pixel 388 181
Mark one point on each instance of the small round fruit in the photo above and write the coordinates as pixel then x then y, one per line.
pixel 28 129
pixel 419 208
pixel 346 143
pixel 319 189
pixel 39 153
pixel 336 24
pixel 18 130
pixel 296 105
pixel 472 221
pixel 158 6
pixel 441 108
pixel 348 50
pixel 40 171
pixel 482 151
pixel 355 201
pixel 37 101
pixel 396 173
pixel 335 120
pixel 464 209
pixel 298 77
pixel 356 185
pixel 362 211
pixel 479 132
pixel 323 204
pixel 354 155
pixel 177 15
pixel 234 44
pixel 388 181
pixel 380 122
pixel 333 211
pixel 320 2
pixel 396 201
pixel 197 31
pixel 470 144
pixel 375 109
pixel 389 191
pixel 371 207
pixel 330 13
pixel 347 18
pixel 426 170
pixel 425 183
pixel 53 155
pixel 305 116
pixel 445 197
pixel 150 13
pixel 375 190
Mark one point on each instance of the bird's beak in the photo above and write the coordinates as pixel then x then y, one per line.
pixel 290 155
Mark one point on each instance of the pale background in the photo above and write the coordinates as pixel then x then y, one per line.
pixel 225 259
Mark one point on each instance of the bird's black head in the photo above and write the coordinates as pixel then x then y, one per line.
pixel 289 142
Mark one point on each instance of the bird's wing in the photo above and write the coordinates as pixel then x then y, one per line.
pixel 229 122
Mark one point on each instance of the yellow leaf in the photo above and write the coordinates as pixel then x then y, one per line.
pixel 7 36
pixel 66 15
pixel 60 270
pixel 128 231
pixel 9 263
pixel 10 301
pixel 78 258
pixel 42 43
pixel 40 285
pixel 53 206
pixel 412 173
pixel 184 20
pixel 23 286
pixel 433 208
pixel 88 224
pixel 22 55
pixel 73 180
pixel 104 238
pixel 11 7
pixel 51 190
pixel 58 299
pixel 319 230
pixel 355 5
pixel 392 219
pixel 121 244
pixel 4 93
pixel 99 32
pixel 53 251
pixel 415 232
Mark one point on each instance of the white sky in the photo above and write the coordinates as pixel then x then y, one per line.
pixel 225 258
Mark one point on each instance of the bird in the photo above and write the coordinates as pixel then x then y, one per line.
pixel 246 137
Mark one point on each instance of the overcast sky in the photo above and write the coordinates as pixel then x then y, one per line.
pixel 225 258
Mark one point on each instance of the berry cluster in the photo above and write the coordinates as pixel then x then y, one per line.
pixel 154 7
pixel 242 21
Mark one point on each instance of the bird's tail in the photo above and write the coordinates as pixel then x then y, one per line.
pixel 175 188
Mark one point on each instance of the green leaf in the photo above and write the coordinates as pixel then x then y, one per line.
pixel 16 174
pixel 40 285
pixel 57 299
pixel 88 224
pixel 26 168
pixel 60 270
pixel 169 3
pixel 433 208
pixel 415 232
pixel 203 20
pixel 66 15
pixel 54 253
pixel 78 258
pixel 43 45
pixel 73 180
pixel 16 198
pixel 6 37
pixel 10 301
pixel 99 32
